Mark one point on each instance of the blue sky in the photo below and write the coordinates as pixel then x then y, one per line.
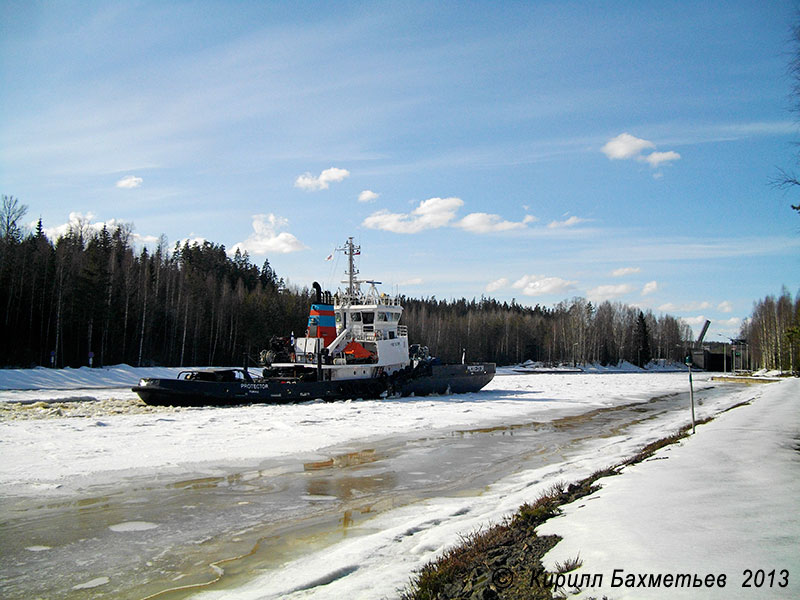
pixel 528 150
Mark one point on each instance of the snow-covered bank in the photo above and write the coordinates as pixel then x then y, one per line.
pixel 42 378
pixel 655 366
pixel 722 502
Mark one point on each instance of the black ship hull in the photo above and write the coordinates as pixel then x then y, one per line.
pixel 449 379
pixel 433 379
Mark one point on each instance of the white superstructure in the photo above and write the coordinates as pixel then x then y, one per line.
pixel 369 340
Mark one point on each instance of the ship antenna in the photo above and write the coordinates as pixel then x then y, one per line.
pixel 351 250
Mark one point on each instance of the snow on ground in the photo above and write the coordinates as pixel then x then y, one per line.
pixel 735 482
pixel 760 532
pixel 723 502
pixel 65 454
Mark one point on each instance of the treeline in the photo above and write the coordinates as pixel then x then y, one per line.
pixel 574 332
pixel 772 333
pixel 91 294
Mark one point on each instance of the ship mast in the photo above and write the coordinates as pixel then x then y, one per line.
pixel 351 250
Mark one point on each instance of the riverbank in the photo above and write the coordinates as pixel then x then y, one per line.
pixel 712 514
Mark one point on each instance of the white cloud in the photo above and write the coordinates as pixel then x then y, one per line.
pixel 485 223
pixel 497 284
pixel 623 271
pixel 732 323
pixel 88 227
pixel 649 288
pixel 725 306
pixel 430 214
pixel 625 146
pixel 566 223
pixel 146 240
pixel 697 321
pixel 81 223
pixel 308 182
pixel 192 240
pixel 129 182
pixel 434 213
pixel 413 281
pixel 266 238
pixel 686 307
pixel 368 196
pixel 656 159
pixel 539 285
pixel 607 292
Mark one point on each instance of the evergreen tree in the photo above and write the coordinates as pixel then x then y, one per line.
pixel 641 341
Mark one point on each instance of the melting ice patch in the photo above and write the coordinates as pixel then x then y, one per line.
pixel 133 526
pixel 96 582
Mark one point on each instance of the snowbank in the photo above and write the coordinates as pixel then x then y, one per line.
pixel 723 502
pixel 42 378
pixel 655 366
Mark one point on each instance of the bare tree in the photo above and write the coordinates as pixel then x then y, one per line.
pixel 10 214
pixel 786 178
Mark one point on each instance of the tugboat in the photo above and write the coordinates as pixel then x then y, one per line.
pixel 354 347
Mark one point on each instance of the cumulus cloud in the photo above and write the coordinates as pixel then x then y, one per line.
pixel 539 285
pixel 608 292
pixel 129 182
pixel 480 222
pixel 146 240
pixel 649 288
pixel 656 159
pixel 685 307
pixel 625 146
pixel 430 214
pixel 623 271
pixel 192 240
pixel 85 225
pixel 733 323
pixel 368 196
pixel 725 306
pixel 310 183
pixel 497 284
pixel 434 213
pixel 566 223
pixel 697 321
pixel 266 237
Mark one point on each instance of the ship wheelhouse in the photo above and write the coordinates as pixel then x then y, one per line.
pixel 351 334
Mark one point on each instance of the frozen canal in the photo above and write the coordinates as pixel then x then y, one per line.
pixel 101 496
